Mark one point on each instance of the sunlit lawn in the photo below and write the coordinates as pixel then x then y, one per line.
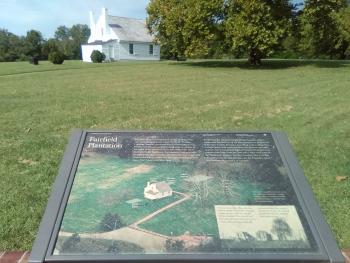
pixel 40 105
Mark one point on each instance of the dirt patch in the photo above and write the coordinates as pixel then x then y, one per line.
pixel 198 178
pixel 114 180
pixel 143 168
pixel 91 158
pixel 239 116
pixel 277 111
pixel 27 162
pixel 150 242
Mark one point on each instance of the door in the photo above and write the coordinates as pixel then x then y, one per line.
pixel 111 52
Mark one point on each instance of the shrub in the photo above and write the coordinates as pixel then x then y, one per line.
pixel 97 56
pixel 174 245
pixel 34 60
pixel 22 57
pixel 56 57
pixel 111 222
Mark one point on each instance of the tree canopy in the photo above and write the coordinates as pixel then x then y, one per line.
pixel 111 222
pixel 320 27
pixel 185 28
pixel 71 39
pixel 343 40
pixel 67 41
pixel 254 29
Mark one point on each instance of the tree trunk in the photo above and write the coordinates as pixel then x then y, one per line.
pixel 175 56
pixel 254 58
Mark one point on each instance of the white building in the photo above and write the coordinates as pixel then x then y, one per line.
pixel 120 38
pixel 157 190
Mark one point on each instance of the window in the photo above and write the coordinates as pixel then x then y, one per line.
pixel 151 49
pixel 131 49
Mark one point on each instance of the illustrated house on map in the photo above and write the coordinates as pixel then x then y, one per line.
pixel 157 190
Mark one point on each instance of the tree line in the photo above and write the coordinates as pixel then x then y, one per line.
pixel 255 29
pixel 66 43
pixel 215 29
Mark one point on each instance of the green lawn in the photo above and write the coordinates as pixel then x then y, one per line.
pixel 309 100
pixel 190 217
pixel 101 188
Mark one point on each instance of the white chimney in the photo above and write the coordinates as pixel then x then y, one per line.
pixel 92 27
pixel 105 11
pixel 92 21
pixel 105 21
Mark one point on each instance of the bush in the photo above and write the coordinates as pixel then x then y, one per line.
pixel 34 60
pixel 97 56
pixel 71 244
pixel 111 222
pixel 56 57
pixel 22 57
pixel 286 54
pixel 174 245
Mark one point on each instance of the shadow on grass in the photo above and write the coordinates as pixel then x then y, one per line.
pixel 267 64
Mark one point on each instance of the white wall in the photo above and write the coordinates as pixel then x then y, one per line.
pixel 120 51
pixel 87 50
pixel 111 50
pixel 141 51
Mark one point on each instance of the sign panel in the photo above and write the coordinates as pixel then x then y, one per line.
pixel 185 195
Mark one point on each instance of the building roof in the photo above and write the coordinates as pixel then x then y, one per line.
pixel 163 187
pixel 130 29
pixel 99 42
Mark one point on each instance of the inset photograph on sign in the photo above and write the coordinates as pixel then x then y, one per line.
pixel 182 193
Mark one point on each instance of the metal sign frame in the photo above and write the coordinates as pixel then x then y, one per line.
pixel 328 250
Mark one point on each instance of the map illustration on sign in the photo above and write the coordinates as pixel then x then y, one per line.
pixel 181 193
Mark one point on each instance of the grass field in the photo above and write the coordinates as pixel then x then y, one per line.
pixel 101 187
pixel 309 100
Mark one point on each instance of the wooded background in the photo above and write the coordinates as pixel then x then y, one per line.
pixel 254 29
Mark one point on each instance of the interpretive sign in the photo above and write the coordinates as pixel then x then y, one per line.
pixel 182 196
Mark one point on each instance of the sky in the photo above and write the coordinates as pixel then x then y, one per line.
pixel 20 16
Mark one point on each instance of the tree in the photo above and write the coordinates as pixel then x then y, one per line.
pixel 199 28
pixel 80 35
pixel 33 42
pixel 185 28
pixel 6 53
pixel 71 244
pixel 114 248
pixel 71 39
pixel 343 39
pixel 281 228
pixel 172 245
pixel 319 27
pixel 49 46
pixel 62 33
pixel 263 236
pixel 203 22
pixel 254 28
pixel 12 47
pixel 165 21
pixel 111 222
